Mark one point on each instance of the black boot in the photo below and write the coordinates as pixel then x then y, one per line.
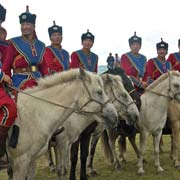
pixel 3 136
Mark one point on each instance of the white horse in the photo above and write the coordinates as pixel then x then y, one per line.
pixel 77 123
pixel 174 119
pixel 153 113
pixel 44 108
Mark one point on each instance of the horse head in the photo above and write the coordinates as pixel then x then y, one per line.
pixel 174 85
pixel 93 86
pixel 123 102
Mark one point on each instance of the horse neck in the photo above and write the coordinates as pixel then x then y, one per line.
pixel 155 100
pixel 161 88
pixel 46 117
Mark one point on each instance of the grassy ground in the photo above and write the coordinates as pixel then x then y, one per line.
pixel 129 169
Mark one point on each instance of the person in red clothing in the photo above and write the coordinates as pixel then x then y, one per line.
pixel 84 57
pixel 24 54
pixel 174 59
pixel 8 111
pixel 155 67
pixel 55 58
pixel 133 63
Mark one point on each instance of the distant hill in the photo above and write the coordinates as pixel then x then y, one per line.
pixel 102 68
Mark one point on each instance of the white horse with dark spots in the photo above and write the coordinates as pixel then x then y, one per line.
pixel 46 107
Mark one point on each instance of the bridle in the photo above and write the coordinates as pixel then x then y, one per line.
pixel 116 98
pixel 169 90
pixel 79 111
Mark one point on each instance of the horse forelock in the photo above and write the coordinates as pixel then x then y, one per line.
pixel 59 78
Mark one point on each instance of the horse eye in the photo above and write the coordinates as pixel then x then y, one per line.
pixel 99 92
pixel 124 95
pixel 176 86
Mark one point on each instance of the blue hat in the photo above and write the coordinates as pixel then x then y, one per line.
pixel 27 17
pixel 2 13
pixel 162 44
pixel 87 35
pixel 135 39
pixel 54 28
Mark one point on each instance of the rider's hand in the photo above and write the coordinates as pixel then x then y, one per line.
pixel 7 79
pixel 144 84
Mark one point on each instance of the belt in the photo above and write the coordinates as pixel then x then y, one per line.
pixel 26 69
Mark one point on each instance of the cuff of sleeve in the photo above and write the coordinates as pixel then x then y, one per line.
pixel 1 76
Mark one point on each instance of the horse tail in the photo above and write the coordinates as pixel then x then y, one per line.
pixel 106 147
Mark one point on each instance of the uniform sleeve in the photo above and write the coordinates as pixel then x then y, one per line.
pixel 172 60
pixel 75 62
pixel 96 68
pixel 8 61
pixel 47 59
pixel 1 75
pixel 126 65
pixel 148 75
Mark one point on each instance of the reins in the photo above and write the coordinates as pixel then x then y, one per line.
pixel 118 100
pixel 79 111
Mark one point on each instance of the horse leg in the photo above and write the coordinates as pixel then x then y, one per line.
pixel 122 147
pixel 50 159
pixel 20 167
pixel 161 143
pixel 61 156
pixel 10 173
pixel 132 140
pixel 175 143
pixel 156 141
pixel 74 159
pixel 143 141
pixel 31 171
pixel 112 139
pixel 93 144
pixel 84 146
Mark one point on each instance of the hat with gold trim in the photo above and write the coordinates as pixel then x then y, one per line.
pixel 135 39
pixel 54 28
pixel 27 17
pixel 2 13
pixel 162 44
pixel 87 35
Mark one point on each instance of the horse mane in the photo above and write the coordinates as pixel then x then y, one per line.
pixel 59 78
pixel 162 78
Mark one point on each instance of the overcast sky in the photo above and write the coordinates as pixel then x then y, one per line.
pixel 111 21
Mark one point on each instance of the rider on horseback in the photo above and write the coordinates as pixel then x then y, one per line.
pixel 134 63
pixel 8 112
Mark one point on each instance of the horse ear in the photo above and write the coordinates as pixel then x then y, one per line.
pixel 109 78
pixel 83 74
pixel 169 74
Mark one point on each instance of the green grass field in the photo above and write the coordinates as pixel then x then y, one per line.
pixel 129 169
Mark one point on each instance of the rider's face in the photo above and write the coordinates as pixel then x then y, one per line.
pixel 27 28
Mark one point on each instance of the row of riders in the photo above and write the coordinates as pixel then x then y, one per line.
pixel 25 59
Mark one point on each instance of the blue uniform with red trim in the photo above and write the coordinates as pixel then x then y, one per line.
pixel 88 62
pixel 21 55
pixel 155 68
pixel 55 60
pixel 134 67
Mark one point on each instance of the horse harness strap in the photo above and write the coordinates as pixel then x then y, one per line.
pixel 92 99
pixel 118 100
pixel 80 111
